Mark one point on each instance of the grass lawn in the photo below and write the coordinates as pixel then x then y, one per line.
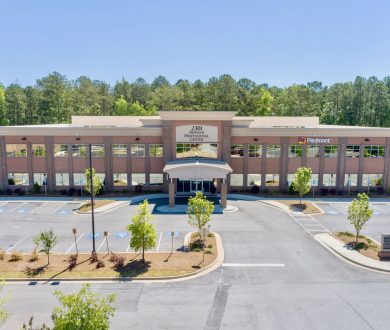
pixel 306 207
pixel 156 265
pixel 365 246
pixel 86 207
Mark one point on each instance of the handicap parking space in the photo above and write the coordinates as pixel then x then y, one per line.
pixel 341 208
pixel 67 209
pixel 37 208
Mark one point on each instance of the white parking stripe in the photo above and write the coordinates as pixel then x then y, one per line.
pixel 18 205
pixel 252 265
pixel 18 242
pixel 71 247
pixel 159 241
pixel 128 248
pixel 101 244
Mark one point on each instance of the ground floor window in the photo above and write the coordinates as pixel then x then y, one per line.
pixel 372 180
pixel 156 179
pixel 192 186
pixel 236 180
pixel 313 179
pixel 18 179
pixel 329 180
pixel 40 178
pixel 62 179
pixel 254 179
pixel 137 179
pixel 350 180
pixel 272 180
pixel 79 179
pixel 119 179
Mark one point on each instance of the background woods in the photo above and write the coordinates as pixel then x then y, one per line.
pixel 54 98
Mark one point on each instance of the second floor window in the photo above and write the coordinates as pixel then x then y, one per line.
pixel 79 150
pixel 255 150
pixel 137 150
pixel 97 150
pixel 155 150
pixel 295 151
pixel 273 151
pixel 16 150
pixel 38 150
pixel 374 151
pixel 119 150
pixel 353 151
pixel 236 150
pixel 331 151
pixel 60 150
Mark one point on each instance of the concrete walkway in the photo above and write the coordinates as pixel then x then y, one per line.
pixel 106 208
pixel 353 256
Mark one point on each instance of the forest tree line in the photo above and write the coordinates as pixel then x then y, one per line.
pixel 54 99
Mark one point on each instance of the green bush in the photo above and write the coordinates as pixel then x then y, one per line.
pixel 36 188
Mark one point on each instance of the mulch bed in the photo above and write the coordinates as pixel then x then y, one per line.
pixel 365 246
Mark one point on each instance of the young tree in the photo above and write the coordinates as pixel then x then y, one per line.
pixel 45 242
pixel 97 183
pixel 83 310
pixel 301 182
pixel 143 233
pixel 199 211
pixel 359 212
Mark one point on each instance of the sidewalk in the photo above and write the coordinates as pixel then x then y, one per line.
pixel 106 208
pixel 353 256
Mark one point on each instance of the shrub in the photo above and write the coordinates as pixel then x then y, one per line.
pixel 16 256
pixel 2 254
pixel 19 192
pixel 197 249
pixel 209 246
pixel 208 252
pixel 380 190
pixel 71 191
pixel 255 189
pixel 34 255
pixel 333 191
pixel 72 261
pixel 36 188
pixel 11 181
pixel 9 191
pixel 291 190
pixel 265 190
pixel 324 191
pixel 210 235
pixel 117 260
pixel 138 188
pixel 63 192
pixel 100 264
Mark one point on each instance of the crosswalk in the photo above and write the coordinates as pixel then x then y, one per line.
pixel 309 224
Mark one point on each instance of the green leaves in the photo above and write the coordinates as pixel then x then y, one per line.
pixel 143 232
pixel 359 212
pixel 83 310
pixel 301 182
pixel 199 211
pixel 97 182
pixel 45 242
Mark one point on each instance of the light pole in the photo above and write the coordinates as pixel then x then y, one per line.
pixel 92 206
pixel 106 234
pixel 74 231
pixel 172 234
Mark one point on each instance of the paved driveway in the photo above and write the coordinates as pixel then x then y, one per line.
pixel 275 276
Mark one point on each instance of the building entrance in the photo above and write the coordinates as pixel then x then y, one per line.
pixel 192 186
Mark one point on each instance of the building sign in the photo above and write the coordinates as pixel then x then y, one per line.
pixel 196 133
pixel 313 140
pixel 385 242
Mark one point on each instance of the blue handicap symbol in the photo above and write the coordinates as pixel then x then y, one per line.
pixel 121 234
pixel 97 235
pixel 21 211
pixel 63 212
pixel 169 234
pixel 333 212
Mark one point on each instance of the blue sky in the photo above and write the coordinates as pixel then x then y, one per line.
pixel 277 42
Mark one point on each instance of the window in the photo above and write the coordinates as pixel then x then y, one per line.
pixel 79 150
pixel 331 151
pixel 102 177
pixel 254 179
pixel 137 179
pixel 156 179
pixel 353 151
pixel 350 180
pixel 120 179
pixel 273 151
pixel 329 180
pixel 294 151
pixel 312 151
pixel 236 180
pixel 372 180
pixel 119 150
pixel 255 150
pixel 79 179
pixel 236 150
pixel 40 178
pixel 62 179
pixel 313 180
pixel 272 180
pixel 201 150
pixel 16 150
pixel 38 150
pixel 60 150
pixel 97 150
pixel 18 179
pixel 374 151
pixel 137 150
pixel 155 150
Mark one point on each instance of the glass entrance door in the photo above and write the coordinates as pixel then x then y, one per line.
pixel 196 185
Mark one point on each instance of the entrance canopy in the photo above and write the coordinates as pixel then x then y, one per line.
pixel 197 169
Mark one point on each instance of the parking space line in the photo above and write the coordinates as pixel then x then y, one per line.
pixel 73 244
pixel 60 207
pixel 128 248
pixel 17 243
pixel 15 208
pixel 159 241
pixel 101 244
pixel 252 265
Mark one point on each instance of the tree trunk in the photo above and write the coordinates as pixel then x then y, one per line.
pixel 48 258
pixel 356 239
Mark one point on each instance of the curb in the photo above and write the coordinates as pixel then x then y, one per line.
pixel 349 260
pixel 214 265
pixel 76 211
